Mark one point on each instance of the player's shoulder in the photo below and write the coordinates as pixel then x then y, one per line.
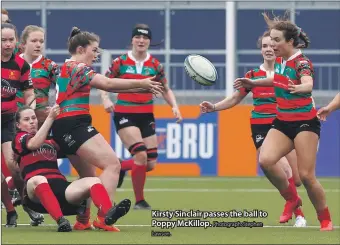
pixel 20 61
pixel 19 136
pixel 302 61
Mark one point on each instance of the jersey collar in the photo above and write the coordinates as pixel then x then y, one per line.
pixel 133 58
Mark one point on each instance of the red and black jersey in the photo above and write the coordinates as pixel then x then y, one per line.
pixel 15 76
pixel 42 161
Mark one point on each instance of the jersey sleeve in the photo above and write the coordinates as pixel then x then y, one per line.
pixel 20 143
pixel 54 72
pixel 304 67
pixel 113 70
pixel 245 91
pixel 82 74
pixel 160 73
pixel 25 78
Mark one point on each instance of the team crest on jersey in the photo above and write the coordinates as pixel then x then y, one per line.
pixel 130 70
pixel 12 75
pixel 147 71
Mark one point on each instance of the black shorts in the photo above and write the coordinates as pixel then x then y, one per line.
pixel 259 132
pixel 71 132
pixel 58 187
pixel 7 128
pixel 291 129
pixel 144 121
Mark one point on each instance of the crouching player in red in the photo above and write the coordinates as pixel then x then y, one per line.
pixel 46 189
pixel 296 125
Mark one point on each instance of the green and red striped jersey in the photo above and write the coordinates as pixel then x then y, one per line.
pixel 264 101
pixel 293 107
pixel 127 67
pixel 74 100
pixel 44 73
pixel 15 77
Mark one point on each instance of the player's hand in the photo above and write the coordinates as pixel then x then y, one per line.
pixel 151 85
pixel 177 114
pixel 323 113
pixel 207 106
pixel 54 112
pixel 108 105
pixel 292 87
pixel 243 83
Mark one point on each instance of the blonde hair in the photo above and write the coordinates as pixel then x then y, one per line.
pixel 29 29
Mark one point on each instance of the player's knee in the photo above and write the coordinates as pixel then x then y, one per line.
pixel 141 158
pixel 94 180
pixel 36 180
pixel 266 160
pixel 138 151
pixel 307 177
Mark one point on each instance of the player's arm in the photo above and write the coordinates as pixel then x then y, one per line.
pixel 38 139
pixel 225 104
pixel 117 84
pixel 231 101
pixel 27 86
pixel 52 93
pixel 334 104
pixel 249 84
pixel 305 73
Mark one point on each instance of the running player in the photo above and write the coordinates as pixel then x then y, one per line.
pixel 332 106
pixel 15 76
pixel 296 125
pixel 43 71
pixel 46 189
pixel 72 129
pixel 264 112
pixel 133 113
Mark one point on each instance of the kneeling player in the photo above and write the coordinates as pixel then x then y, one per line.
pixel 46 189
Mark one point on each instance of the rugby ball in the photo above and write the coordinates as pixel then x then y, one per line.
pixel 200 69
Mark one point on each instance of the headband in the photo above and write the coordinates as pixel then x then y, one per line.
pixel 141 31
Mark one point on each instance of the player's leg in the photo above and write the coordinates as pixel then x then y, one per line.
pixel 275 146
pixel 84 170
pixel 132 140
pixel 39 191
pixel 36 218
pixel 306 143
pixel 292 160
pixel 6 199
pixel 84 188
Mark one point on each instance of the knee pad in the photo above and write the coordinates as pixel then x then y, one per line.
pixel 152 154
pixel 137 147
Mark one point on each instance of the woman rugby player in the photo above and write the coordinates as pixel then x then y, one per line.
pixel 263 114
pixel 46 189
pixel 15 77
pixel 72 129
pixel 296 125
pixel 133 113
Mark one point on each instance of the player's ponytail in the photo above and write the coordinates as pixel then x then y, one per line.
pixel 75 30
pixel 80 38
pixel 304 38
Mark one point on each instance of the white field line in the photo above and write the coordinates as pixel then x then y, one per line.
pixel 265 226
pixel 214 190
pixel 222 179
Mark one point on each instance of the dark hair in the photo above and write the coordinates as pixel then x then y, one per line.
pixel 259 41
pixel 290 30
pixel 18 115
pixel 16 156
pixel 10 26
pixel 80 38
